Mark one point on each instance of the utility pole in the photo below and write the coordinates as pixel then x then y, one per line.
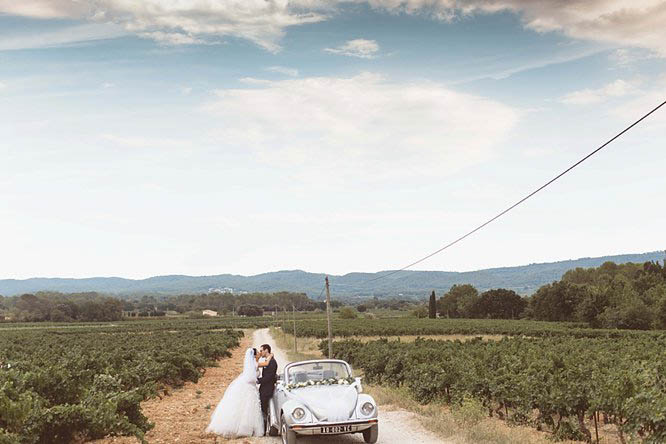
pixel 295 347
pixel 328 319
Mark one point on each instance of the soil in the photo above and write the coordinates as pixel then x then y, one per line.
pixel 182 416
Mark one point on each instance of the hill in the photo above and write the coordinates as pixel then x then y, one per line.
pixel 408 284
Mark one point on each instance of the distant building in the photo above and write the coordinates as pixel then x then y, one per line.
pixel 225 290
pixel 172 313
pixel 209 313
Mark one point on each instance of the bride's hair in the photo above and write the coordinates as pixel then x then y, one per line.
pixel 254 351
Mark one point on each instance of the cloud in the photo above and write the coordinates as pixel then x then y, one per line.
pixel 365 49
pixel 618 88
pixel 67 35
pixel 618 22
pixel 177 22
pixel 107 85
pixel 144 142
pixel 2 86
pixel 283 70
pixel 651 95
pixel 626 57
pixel 369 128
pixel 45 9
pixel 172 38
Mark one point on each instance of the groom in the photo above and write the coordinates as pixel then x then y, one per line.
pixel 267 381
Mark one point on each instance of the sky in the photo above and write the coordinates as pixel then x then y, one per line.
pixel 245 136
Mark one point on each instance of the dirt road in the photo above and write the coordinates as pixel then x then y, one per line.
pixel 395 426
pixel 183 416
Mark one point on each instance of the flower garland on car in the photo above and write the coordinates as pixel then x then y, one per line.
pixel 312 383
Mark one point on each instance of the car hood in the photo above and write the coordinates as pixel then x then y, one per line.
pixel 328 403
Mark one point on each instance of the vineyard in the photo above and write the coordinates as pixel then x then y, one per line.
pixel 567 386
pixel 413 326
pixel 77 382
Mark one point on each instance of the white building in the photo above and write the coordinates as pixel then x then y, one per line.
pixel 209 313
pixel 225 290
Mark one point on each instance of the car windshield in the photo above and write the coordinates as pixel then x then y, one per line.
pixel 316 371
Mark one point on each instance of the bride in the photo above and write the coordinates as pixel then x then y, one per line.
pixel 239 411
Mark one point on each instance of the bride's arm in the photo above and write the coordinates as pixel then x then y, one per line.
pixel 265 363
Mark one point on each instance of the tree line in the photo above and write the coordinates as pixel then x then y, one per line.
pixel 613 295
pixel 58 307
pixel 91 306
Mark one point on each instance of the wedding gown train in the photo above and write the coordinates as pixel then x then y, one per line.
pixel 239 411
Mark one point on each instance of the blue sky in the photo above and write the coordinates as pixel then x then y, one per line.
pixel 166 137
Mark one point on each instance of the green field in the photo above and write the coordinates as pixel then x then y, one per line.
pixel 556 376
pixel 401 326
pixel 60 382
pixel 568 386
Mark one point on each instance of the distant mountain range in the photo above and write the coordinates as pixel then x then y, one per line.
pixel 408 284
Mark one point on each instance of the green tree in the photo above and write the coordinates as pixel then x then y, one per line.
pixel 458 302
pixel 347 313
pixel 590 307
pixel 631 315
pixel 557 301
pixel 250 310
pixel 432 306
pixel 500 304
pixel 420 312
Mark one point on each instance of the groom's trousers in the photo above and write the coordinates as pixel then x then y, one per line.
pixel 265 399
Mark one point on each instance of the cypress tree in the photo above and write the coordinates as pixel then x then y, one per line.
pixel 432 312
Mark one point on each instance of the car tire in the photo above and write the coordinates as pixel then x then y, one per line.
pixel 272 430
pixel 371 435
pixel 288 436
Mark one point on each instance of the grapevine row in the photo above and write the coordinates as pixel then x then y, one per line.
pixel 562 384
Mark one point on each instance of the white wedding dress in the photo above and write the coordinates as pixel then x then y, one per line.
pixel 239 411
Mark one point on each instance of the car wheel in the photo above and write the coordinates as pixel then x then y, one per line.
pixel 288 436
pixel 272 430
pixel 372 434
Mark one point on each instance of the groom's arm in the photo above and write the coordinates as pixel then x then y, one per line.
pixel 269 372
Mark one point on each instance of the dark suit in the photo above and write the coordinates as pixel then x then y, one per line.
pixel 267 386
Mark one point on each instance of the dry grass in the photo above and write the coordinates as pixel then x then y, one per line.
pixel 411 338
pixel 439 419
pixel 308 348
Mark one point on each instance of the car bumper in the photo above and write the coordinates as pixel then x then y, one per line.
pixel 333 428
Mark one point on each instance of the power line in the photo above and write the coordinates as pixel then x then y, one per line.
pixel 521 200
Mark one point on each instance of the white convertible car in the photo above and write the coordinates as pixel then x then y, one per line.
pixel 321 397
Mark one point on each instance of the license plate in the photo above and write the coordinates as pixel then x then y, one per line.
pixel 336 429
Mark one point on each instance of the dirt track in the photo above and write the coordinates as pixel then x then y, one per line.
pixel 182 416
pixel 395 426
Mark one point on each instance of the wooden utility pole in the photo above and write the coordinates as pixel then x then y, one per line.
pixel 328 319
pixel 295 347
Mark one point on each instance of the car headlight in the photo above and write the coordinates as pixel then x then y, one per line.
pixel 367 408
pixel 298 413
